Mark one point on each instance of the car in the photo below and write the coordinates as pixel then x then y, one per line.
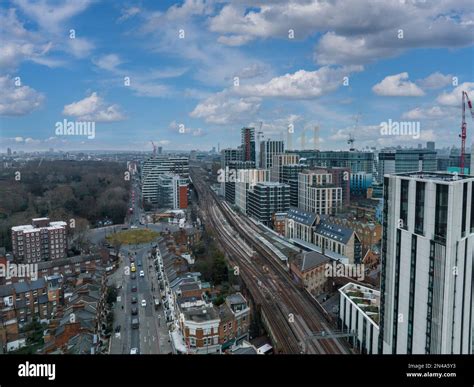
pixel 133 276
pixel 144 303
pixel 117 328
pixel 133 269
pixel 139 263
pixel 134 300
pixel 134 288
pixel 135 323
pixel 134 311
pixel 134 351
pixel 142 273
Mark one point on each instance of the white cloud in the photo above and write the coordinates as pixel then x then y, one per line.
pixel 299 85
pixel 52 16
pixel 397 85
pixel 222 109
pixel 127 13
pixel 18 100
pixel 418 113
pixel 80 47
pixel 436 81
pixel 93 108
pixel 453 97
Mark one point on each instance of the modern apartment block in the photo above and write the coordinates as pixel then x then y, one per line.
pixel 40 241
pixel 289 175
pixel 268 149
pixel 355 160
pixel 278 162
pixel 427 264
pixel 265 199
pixel 231 171
pixel 230 154
pixel 317 193
pixel 156 166
pixel 246 179
pixel 172 191
pixel 406 160
pixel 360 183
pixel 248 144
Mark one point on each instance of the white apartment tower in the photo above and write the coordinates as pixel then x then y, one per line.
pixel 246 180
pixel 317 193
pixel 427 264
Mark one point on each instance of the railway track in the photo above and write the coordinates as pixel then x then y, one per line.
pixel 291 313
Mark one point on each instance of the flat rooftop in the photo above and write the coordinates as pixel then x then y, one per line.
pixel 435 176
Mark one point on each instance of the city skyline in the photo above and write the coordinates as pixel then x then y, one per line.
pixel 191 75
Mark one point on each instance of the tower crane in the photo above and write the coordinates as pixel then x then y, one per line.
pixel 154 148
pixel 463 135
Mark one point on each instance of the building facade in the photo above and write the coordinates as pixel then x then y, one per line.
pixel 427 264
pixel 41 241
pixel 317 193
pixel 246 179
pixel 265 199
pixel 268 149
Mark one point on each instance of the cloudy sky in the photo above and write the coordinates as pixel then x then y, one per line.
pixel 189 75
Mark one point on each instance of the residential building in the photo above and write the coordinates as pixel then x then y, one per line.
pixel 354 160
pixel 268 149
pixel 172 191
pixel 279 161
pixel 41 241
pixel 231 177
pixel 359 308
pixel 309 269
pixel 427 262
pixel 245 180
pixel 156 166
pixel 317 193
pixel 279 222
pixel 267 198
pixel 289 175
pixel 406 160
pixel 360 183
pixel 338 239
pixel 248 144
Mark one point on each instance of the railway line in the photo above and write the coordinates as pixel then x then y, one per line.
pixel 292 315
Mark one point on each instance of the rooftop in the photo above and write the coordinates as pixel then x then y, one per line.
pixel 435 176
pixel 310 259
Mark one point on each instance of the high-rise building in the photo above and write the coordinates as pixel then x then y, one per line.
pixel 289 175
pixel 248 144
pixel 40 241
pixel 406 160
pixel 245 180
pixel 355 160
pixel 157 166
pixel 360 183
pixel 231 172
pixel 172 191
pixel 267 198
pixel 340 178
pixel 9 152
pixel 427 264
pixel 279 161
pixel 317 193
pixel 431 145
pixel 268 149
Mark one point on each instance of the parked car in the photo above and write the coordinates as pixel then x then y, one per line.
pixel 144 303
pixel 133 276
pixel 142 273
pixel 134 300
pixel 134 311
pixel 117 328
pixel 134 288
pixel 135 323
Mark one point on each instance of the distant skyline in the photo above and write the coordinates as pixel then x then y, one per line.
pixel 188 75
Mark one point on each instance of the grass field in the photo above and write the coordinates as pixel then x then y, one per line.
pixel 132 237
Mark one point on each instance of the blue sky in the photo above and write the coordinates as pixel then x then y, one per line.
pixel 239 63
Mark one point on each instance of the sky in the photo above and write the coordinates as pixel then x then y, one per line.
pixel 188 75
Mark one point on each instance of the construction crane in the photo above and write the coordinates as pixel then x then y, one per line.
pixel 154 148
pixel 463 135
pixel 351 136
